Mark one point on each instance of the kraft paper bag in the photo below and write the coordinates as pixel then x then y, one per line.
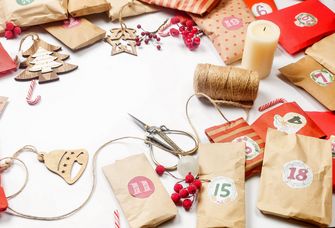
pixel 323 52
pixel 314 78
pixel 139 191
pixel 296 179
pixel 137 8
pixel 76 33
pixel 226 27
pixel 221 201
pixel 32 12
pixel 79 8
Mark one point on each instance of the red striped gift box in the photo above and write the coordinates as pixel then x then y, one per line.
pixel 240 131
pixel 191 6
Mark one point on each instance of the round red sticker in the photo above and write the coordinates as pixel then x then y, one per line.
pixel 141 187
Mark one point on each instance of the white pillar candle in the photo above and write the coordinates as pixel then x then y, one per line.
pixel 260 46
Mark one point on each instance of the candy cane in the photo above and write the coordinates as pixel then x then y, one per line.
pixel 30 93
pixel 271 103
pixel 117 219
pixel 162 31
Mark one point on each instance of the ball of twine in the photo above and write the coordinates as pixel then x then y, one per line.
pixel 227 85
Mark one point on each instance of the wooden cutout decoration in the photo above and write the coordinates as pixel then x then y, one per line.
pixel 3 103
pixel 43 63
pixel 120 35
pixel 61 162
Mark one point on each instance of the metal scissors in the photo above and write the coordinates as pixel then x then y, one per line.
pixel 164 142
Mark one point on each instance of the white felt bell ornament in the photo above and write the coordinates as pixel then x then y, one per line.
pixel 188 164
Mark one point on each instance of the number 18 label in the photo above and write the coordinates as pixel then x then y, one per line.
pixel 297 174
pixel 222 189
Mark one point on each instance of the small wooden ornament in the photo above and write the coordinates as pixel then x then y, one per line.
pixel 61 162
pixel 124 34
pixel 43 62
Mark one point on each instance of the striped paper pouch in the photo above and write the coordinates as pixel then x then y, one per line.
pixel 191 6
pixel 240 131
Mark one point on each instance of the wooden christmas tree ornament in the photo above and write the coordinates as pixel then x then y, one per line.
pixel 43 61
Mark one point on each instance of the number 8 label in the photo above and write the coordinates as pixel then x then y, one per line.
pixel 222 189
pixel 297 174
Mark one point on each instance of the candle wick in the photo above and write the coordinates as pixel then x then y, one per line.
pixel 264 29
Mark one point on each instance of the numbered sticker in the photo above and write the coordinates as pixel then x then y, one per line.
pixel 24 2
pixel 260 9
pixel 232 23
pixel 252 149
pixel 222 189
pixel 290 123
pixel 305 20
pixel 296 174
pixel 141 187
pixel 322 77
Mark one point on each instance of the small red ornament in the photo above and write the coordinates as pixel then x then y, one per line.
pixel 177 187
pixel 9 26
pixel 189 177
pixel 175 198
pixel 9 34
pixel 192 189
pixel 189 23
pixel 183 193
pixel 160 170
pixel 17 30
pixel 175 20
pixel 187 204
pixel 174 32
pixel 197 183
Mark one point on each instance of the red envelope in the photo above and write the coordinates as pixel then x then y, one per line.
pixel 289 118
pixel 6 62
pixel 261 7
pixel 303 24
pixel 325 121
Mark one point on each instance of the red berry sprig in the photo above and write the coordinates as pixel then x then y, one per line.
pixel 190 33
pixel 148 38
pixel 12 31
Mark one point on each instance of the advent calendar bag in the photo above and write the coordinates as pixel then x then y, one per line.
pixel 303 24
pixel 6 62
pixel 79 8
pixel 221 201
pixel 139 191
pixel 288 118
pixel 296 179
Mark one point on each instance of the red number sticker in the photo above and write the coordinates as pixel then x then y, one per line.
pixel 141 187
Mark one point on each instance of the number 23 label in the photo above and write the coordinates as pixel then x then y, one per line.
pixel 297 174
pixel 222 189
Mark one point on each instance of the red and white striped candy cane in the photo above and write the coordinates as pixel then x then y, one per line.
pixel 271 103
pixel 162 31
pixel 117 219
pixel 29 99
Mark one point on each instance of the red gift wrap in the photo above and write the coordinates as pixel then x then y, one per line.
pixel 261 7
pixel 6 62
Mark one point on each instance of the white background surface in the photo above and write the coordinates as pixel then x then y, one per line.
pixel 89 106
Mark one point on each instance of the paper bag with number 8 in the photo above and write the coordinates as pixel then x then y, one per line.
pixel 221 201
pixel 296 179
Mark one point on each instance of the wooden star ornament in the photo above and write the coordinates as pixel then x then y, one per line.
pixel 118 37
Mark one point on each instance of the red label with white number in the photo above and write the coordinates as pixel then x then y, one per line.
pixel 297 174
pixel 141 187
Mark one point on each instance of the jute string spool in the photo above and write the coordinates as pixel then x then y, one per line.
pixel 227 85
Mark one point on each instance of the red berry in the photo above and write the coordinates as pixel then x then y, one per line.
pixel 174 32
pixel 175 20
pixel 181 28
pixel 175 198
pixel 196 40
pixel 160 170
pixel 138 43
pixel 158 39
pixel 192 189
pixel 195 30
pixel 190 35
pixel 9 26
pixel 197 183
pixel 150 35
pixel 146 41
pixel 183 193
pixel 187 204
pixel 177 187
pixel 189 23
pixel 159 47
pixel 9 34
pixel 189 178
pixel 139 26
pixel 142 33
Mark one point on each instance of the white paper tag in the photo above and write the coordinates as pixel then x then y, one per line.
pixel 222 189
pixel 297 174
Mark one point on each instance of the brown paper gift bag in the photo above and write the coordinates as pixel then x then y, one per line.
pixel 296 179
pixel 136 8
pixel 32 12
pixel 76 33
pixel 226 27
pixel 314 78
pixel 221 202
pixel 323 52
pixel 79 8
pixel 140 192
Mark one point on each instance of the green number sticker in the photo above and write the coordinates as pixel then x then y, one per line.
pixel 24 2
pixel 222 189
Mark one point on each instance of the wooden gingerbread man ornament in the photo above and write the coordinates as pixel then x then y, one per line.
pixel 43 61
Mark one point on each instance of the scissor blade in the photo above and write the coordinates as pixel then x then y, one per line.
pixel 139 122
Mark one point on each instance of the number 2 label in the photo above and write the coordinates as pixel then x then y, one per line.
pixel 222 189
pixel 297 174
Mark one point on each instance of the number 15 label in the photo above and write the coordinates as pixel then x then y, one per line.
pixel 222 189
pixel 297 174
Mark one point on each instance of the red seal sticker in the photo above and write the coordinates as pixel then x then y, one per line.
pixel 71 22
pixel 141 187
pixel 232 23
